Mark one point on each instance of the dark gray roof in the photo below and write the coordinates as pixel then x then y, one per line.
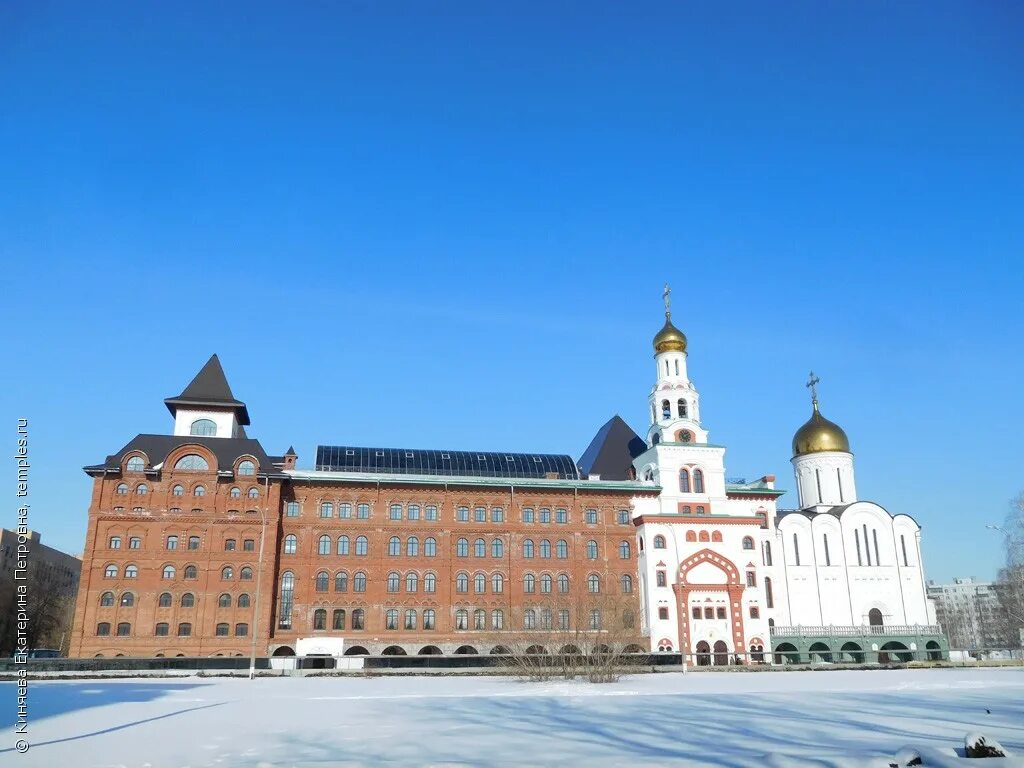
pixel 210 388
pixel 611 452
pixel 225 449
pixel 409 461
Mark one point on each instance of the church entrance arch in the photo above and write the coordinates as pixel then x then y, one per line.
pixel 703 654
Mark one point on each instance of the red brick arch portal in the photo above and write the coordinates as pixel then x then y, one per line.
pixel 733 587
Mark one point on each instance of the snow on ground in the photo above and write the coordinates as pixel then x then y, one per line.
pixel 839 718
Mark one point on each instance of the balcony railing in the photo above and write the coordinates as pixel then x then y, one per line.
pixel 856 631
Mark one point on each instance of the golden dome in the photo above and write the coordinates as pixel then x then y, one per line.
pixel 669 338
pixel 819 434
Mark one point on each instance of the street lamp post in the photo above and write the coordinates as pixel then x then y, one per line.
pixel 259 581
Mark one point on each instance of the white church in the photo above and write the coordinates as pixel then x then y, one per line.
pixel 725 574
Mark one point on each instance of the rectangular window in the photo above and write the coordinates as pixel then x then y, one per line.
pixel 751 579
pixel 480 514
pixel 796 549
pixel 661 579
pixel 755 612
pixel 345 511
pixel 828 556
pixel 462 514
pixel 563 619
pixel 663 614
pixel 903 546
pixel 545 515
pixel 249 545
pixel 696 612
pixel 721 612
pixel 839 477
pixel 874 536
pixel 291 509
pixel 395 512
pixel 817 478
pixel 430 513
pixel 527 515
pixel 561 516
pixel 497 515
pixel 326 509
pixel 622 516
pixel 362 513
pixel 768 599
pixel 867 544
pixel 856 537
pixel 413 512
pixel 591 517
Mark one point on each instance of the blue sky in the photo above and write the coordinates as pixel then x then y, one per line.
pixel 447 225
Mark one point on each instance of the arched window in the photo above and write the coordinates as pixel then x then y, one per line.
pixel 287 599
pixel 624 550
pixel 290 543
pixel 320 619
pixel 362 545
pixel 767 553
pixel 224 601
pixel 462 583
pixel 593 583
pixel 122 489
pixel 529 583
pixel 135 464
pixel 528 548
pixel 191 572
pixel 627 584
pixel 683 410
pixel 462 548
pixel 339 619
pixel 393 581
pixel 497 548
pixel 326 509
pixel 203 428
pixel 168 572
pixel 124 629
pixel 235 493
pixel 131 572
pixel 134 542
pixel 684 480
pixel 545 584
pixel 748 542
pixel 563 583
pixel 254 493
pixel 188 600
pixel 243 600
pixel 703 536
pixel 394 546
pixel 561 549
pixel 430 582
pixel 103 629
pixel 412 547
pixel 141 489
pixel 246 468
pixel 529 619
pixel 666 409
pixel 128 599
pixel 343 545
pixel 106 599
pixel 341 581
pixel 768 598
pixel 479 584
pixel 430 547
pixel 165 599
pixel 227 573
pixel 691 536
pixel 199 491
pixel 698 481
pixel 322 581
pixel 192 462
pixel 497 583
pixel 659 542
pixel 591 550
pixel 358 619
pixel 358 585
pixel 716 536
pixel 412 582
pixel 163 629
pixel 545 549
pixel 223 629
pixel 462 619
pixel 479 548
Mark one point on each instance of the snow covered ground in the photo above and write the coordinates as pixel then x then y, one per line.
pixel 839 718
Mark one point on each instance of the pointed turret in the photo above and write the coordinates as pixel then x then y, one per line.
pixel 207 407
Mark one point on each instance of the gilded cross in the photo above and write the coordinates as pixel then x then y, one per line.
pixel 812 384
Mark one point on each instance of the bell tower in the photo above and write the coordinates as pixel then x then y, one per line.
pixel 674 401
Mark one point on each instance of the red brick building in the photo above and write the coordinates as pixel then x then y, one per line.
pixel 200 543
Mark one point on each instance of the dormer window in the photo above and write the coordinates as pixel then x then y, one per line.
pixel 193 462
pixel 135 464
pixel 203 428
pixel 246 468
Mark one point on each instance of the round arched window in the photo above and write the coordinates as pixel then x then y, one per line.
pixel 203 428
pixel 135 464
pixel 246 468
pixel 193 462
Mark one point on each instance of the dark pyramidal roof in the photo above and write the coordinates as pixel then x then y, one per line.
pixel 210 388
pixel 611 452
pixel 409 461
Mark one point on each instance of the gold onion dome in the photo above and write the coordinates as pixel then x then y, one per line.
pixel 669 338
pixel 818 435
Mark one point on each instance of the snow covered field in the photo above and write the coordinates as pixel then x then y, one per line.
pixel 840 718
